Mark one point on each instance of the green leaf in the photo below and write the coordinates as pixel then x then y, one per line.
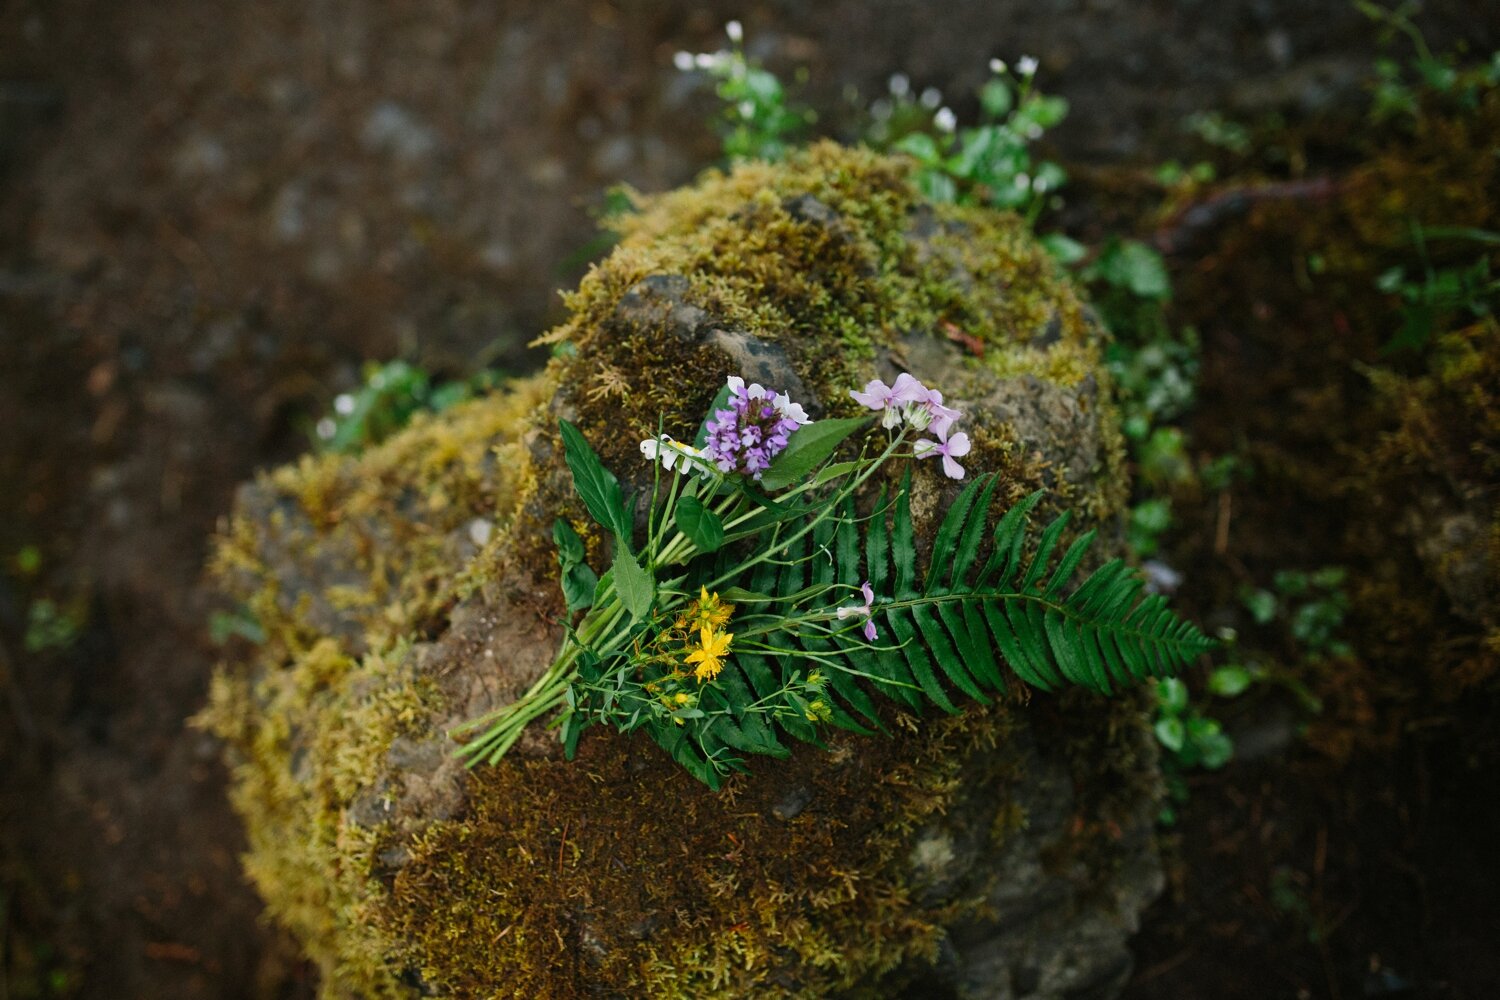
pixel 632 583
pixel 577 580
pixel 1063 249
pixel 1172 695
pixel 1230 681
pixel 597 486
pixel 701 525
pixel 1171 733
pixel 808 448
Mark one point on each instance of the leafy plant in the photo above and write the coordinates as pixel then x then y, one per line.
pixel 392 394
pixel 1191 739
pixel 758 122
pixel 1432 295
pixel 992 162
pixel 1399 90
pixel 772 538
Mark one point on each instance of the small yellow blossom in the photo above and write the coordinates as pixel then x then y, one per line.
pixel 682 697
pixel 709 653
pixel 710 612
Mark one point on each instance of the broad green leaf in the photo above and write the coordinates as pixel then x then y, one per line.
pixel 577 580
pixel 807 449
pixel 701 525
pixel 597 486
pixel 1171 733
pixel 632 583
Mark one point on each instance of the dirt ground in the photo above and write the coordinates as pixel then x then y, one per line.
pixel 210 214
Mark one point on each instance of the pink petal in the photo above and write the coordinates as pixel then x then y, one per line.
pixel 875 395
pixel 869 594
pixel 870 632
pixel 958 445
pixel 952 469
pixel 908 390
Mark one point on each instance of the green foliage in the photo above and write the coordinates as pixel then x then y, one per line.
pixel 1311 606
pixel 1191 739
pixel 596 485
pixel 1400 90
pixel 758 122
pixel 392 394
pixel 941 630
pixel 578 581
pixel 992 162
pixel 50 625
pixel 1434 296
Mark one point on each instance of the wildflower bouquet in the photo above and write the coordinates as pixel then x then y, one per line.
pixel 770 594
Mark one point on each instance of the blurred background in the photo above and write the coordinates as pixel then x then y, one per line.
pixel 213 214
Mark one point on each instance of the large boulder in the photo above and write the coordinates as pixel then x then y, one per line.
pixel 1003 852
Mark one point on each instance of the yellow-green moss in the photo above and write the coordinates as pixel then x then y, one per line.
pixel 617 872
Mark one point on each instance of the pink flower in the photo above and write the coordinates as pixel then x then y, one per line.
pixel 891 398
pixel 910 401
pixel 950 448
pixel 862 609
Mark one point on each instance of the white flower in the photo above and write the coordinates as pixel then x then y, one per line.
pixel 343 404
pixel 708 60
pixel 670 452
pixel 789 409
pixel 1023 181
pixel 735 31
pixel 997 66
pixel 900 84
pixel 1027 65
pixel 683 61
pixel 747 109
pixel 931 97
pixel 945 120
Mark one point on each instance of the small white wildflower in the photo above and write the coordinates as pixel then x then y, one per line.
pixel 900 84
pixel 945 120
pixel 1034 131
pixel 706 60
pixel 747 109
pixel 343 404
pixel 670 452
pixel 931 97
pixel 1040 184
pixel 736 31
pixel 997 66
pixel 1023 181
pixel 683 61
pixel 327 428
pixel 1026 65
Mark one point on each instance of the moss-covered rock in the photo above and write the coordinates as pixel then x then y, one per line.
pixel 1002 852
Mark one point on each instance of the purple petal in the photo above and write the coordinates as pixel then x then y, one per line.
pixel 951 468
pixel 869 594
pixel 870 632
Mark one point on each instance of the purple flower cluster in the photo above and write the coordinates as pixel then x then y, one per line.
pixel 753 430
pixel 910 402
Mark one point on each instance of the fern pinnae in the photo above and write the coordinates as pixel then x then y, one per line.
pixel 972 537
pixel 946 653
pixel 940 564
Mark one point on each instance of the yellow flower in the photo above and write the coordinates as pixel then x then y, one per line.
pixel 709 612
pixel 709 654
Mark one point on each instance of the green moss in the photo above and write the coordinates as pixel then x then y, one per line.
pixel 618 872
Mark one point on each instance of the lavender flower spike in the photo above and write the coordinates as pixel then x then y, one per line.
pixel 753 429
pixel 950 448
pixel 862 609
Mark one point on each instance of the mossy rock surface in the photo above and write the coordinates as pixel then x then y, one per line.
pixel 1004 852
